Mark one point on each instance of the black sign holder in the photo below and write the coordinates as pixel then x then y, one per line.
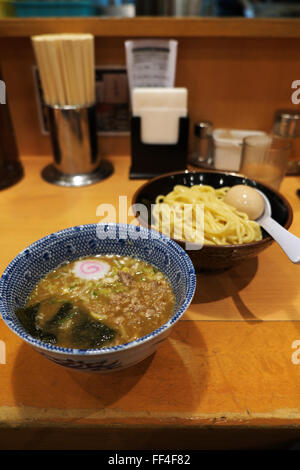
pixel 150 160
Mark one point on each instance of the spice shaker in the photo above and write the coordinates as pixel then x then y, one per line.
pixel 203 145
pixel 287 124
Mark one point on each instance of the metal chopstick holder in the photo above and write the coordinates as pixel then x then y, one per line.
pixel 73 135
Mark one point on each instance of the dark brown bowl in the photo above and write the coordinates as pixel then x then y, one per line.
pixel 212 257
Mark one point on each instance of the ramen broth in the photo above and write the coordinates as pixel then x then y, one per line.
pixel 98 302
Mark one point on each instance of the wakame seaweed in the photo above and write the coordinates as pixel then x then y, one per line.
pixel 85 332
pixel 63 313
pixel 27 317
pixel 91 334
pixel 47 337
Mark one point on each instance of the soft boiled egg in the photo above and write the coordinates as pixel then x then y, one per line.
pixel 245 199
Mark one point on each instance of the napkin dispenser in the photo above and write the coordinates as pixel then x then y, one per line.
pixel 159 131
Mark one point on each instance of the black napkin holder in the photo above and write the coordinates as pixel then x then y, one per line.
pixel 150 160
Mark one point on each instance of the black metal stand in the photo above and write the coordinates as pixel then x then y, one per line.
pixel 150 160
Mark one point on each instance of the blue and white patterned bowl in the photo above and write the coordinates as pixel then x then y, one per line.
pixel 33 263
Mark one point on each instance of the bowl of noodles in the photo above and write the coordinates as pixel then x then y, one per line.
pixel 189 207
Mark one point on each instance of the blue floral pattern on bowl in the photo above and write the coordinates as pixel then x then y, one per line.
pixel 34 262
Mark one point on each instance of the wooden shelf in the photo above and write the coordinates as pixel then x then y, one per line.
pixel 154 27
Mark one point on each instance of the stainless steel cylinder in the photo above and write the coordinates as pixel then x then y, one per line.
pixel 121 11
pixel 179 7
pixel 287 123
pixel 73 137
pixel 203 145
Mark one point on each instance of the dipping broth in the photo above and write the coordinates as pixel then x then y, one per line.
pixel 98 302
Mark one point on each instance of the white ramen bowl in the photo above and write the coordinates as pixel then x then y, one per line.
pixel 34 262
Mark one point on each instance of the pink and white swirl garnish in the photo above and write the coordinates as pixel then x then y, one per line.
pixel 91 269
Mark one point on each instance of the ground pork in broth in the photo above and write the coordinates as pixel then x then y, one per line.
pixel 98 302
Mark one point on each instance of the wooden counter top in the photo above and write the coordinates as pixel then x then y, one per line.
pixel 213 383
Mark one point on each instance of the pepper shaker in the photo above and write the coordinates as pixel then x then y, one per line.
pixel 203 145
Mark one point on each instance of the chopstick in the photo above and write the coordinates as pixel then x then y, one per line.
pixel 66 66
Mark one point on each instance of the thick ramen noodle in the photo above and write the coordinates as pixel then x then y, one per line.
pixel 222 224
pixel 98 302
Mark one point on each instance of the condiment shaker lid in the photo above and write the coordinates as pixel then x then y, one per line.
pixel 287 123
pixel 203 129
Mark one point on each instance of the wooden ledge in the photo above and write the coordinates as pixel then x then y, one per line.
pixel 154 27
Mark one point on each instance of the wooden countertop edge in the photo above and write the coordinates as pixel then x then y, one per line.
pixel 154 27
pixel 25 417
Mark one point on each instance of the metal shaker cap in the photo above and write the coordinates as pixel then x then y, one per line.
pixel 203 129
pixel 287 123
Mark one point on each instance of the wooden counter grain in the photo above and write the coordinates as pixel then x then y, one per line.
pixel 211 384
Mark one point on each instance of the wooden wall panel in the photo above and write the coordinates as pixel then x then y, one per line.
pixel 234 82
